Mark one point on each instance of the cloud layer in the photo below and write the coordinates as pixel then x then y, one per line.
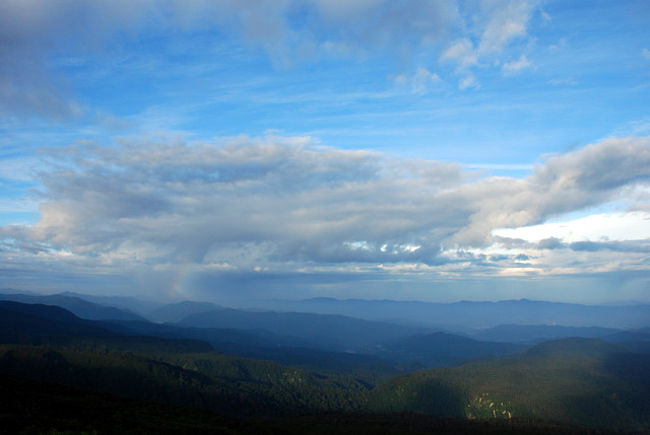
pixel 285 204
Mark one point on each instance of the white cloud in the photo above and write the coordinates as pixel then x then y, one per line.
pixel 421 82
pixel 462 53
pixel 508 20
pixel 285 204
pixel 496 26
pixel 469 81
pixel 646 53
pixel 515 66
pixel 598 227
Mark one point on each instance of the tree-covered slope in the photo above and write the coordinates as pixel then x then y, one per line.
pixel 579 381
pixel 224 384
pixel 48 343
pixel 37 324
pixel 584 381
pixel 36 407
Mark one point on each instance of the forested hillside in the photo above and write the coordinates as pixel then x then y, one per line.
pixel 582 382
pixel 587 382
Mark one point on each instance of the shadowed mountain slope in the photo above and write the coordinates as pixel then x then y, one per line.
pixel 79 307
pixel 43 407
pixel 37 324
pixel 584 381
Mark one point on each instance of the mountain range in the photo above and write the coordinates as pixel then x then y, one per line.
pixel 270 365
pixel 470 315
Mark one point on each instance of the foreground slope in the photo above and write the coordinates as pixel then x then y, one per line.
pixel 28 406
pixel 583 381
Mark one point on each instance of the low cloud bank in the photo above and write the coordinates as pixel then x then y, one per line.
pixel 258 202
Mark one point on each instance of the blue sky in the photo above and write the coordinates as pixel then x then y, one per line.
pixel 250 149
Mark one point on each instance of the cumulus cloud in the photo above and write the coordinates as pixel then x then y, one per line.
pixel 286 204
pixel 561 184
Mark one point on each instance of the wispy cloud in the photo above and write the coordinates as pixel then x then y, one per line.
pixel 516 66
pixel 421 82
pixel 469 81
pixel 375 28
pixel 495 27
pixel 507 21
pixel 462 53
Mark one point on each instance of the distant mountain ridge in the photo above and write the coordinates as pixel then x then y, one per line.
pixel 468 315
pixel 175 312
pixel 37 324
pixel 465 316
pixel 80 307
pixel 331 331
pixel 128 303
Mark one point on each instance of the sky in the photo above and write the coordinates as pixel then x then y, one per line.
pixel 237 151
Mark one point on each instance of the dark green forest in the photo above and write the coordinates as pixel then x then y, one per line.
pixel 63 374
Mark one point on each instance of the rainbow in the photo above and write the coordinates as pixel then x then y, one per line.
pixel 180 282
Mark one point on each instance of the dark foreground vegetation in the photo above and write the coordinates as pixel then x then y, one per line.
pixel 60 373
pixel 34 407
